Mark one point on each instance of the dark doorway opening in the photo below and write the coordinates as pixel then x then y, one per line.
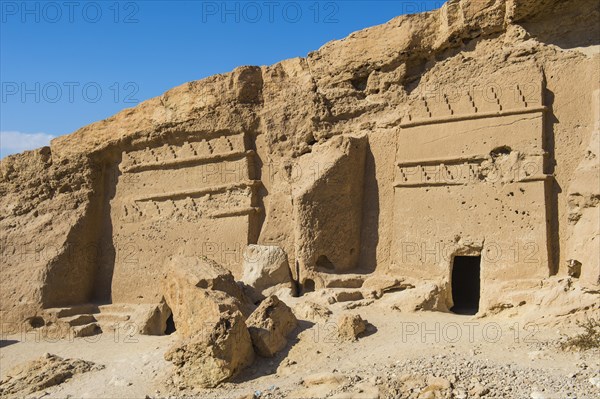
pixel 465 284
pixel 36 322
pixel 308 286
pixel 324 263
pixel 170 325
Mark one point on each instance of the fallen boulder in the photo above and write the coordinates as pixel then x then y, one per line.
pixel 214 355
pixel 350 327
pixel 199 291
pixel 266 269
pixel 209 310
pixel 269 326
pixel 205 273
pixel 425 296
pixel 152 320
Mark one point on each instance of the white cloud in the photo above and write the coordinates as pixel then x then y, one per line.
pixel 12 142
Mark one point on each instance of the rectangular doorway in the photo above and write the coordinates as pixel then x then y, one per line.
pixel 466 284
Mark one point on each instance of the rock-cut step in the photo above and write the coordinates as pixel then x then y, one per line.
pixel 115 315
pixel 79 320
pixel 111 321
pixel 90 319
pixel 117 308
pixel 73 310
pixel 86 330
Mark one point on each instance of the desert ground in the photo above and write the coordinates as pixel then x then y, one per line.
pixel 400 355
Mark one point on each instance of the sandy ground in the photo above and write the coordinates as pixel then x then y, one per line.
pixel 497 351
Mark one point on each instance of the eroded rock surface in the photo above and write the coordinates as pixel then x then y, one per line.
pixel 464 132
pixel 350 327
pixel 266 269
pixel 199 291
pixel 214 354
pixel 269 326
pixel 584 209
pixel 45 372
pixel 207 306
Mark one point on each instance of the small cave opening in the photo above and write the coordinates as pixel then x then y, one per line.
pixel 360 83
pixel 170 329
pixel 466 287
pixel 36 322
pixel 502 150
pixel 308 285
pixel 323 262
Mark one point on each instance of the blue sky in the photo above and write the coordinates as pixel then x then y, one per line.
pixel 65 64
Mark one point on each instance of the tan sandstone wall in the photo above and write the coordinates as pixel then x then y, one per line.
pixel 211 161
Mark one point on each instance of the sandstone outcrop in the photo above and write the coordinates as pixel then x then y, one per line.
pixel 152 321
pixel 445 161
pixel 269 326
pixel 209 311
pixel 584 209
pixel 213 355
pixel 327 205
pixel 199 291
pixel 350 327
pixel 45 372
pixel 266 269
pixel 424 297
pixel 446 148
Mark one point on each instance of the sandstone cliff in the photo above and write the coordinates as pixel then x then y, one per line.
pixel 214 165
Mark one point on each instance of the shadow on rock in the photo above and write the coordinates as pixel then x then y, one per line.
pixel 264 366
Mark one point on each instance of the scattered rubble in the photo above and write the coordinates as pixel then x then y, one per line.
pixel 45 372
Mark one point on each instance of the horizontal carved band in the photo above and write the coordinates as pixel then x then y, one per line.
pixel 236 212
pixel 445 161
pixel 483 115
pixel 527 179
pixel 174 163
pixel 199 192
pixel 458 160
